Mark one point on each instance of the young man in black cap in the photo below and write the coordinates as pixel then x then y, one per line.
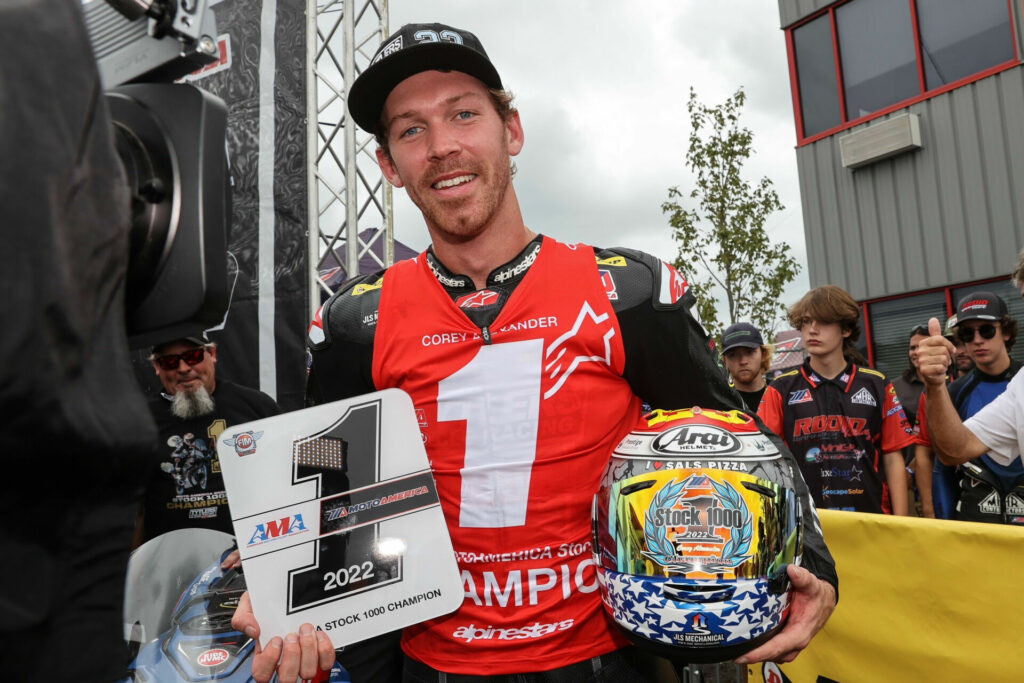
pixel 527 358
pixel 747 358
pixel 185 487
pixel 987 490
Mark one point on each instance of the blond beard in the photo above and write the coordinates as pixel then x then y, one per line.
pixel 189 404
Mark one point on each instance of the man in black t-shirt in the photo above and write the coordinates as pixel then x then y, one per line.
pixel 186 488
pixel 747 358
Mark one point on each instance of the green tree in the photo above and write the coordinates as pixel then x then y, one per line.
pixel 722 242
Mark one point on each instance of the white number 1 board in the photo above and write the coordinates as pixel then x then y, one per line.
pixel 338 519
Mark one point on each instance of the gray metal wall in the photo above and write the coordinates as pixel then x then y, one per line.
pixel 952 211
pixel 792 11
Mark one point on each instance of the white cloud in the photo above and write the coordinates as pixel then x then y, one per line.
pixel 602 89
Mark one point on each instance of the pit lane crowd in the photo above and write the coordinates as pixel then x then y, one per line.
pixel 915 445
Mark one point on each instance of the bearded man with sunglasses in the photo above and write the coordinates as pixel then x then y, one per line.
pixel 185 489
pixel 987 486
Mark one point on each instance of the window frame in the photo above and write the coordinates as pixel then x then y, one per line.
pixel 924 93
pixel 865 307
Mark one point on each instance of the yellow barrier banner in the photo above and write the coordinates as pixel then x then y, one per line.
pixel 919 600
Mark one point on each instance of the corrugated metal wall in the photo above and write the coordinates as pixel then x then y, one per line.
pixel 952 211
pixel 792 11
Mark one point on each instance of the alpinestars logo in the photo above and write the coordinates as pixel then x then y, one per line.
pixel 560 367
pixel 485 297
pixel 863 397
pixel 519 268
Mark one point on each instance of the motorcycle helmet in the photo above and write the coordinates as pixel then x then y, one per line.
pixel 695 523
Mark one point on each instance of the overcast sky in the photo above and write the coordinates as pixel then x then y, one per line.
pixel 601 87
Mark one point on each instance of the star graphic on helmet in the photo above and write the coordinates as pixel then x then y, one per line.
pixel 732 618
pixel 636 588
pixel 746 603
pixel 741 630
pixel 670 615
pixel 643 629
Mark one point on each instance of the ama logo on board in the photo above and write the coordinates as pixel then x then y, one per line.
pixel 277 529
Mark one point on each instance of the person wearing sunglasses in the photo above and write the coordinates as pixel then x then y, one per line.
pixel 185 488
pixel 984 485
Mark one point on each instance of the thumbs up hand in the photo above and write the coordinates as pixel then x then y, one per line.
pixel 934 355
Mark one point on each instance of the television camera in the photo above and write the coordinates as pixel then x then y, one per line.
pixel 171 140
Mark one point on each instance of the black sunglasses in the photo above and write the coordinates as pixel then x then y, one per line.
pixel 192 357
pixel 966 334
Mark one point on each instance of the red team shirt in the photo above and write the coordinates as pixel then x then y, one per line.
pixel 838 430
pixel 515 460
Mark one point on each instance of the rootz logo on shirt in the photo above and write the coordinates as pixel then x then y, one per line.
pixel 698 524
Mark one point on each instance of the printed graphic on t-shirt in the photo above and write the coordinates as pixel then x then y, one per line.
pixel 189 464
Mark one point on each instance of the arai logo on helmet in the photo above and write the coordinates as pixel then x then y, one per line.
pixel 696 439
pixel 212 657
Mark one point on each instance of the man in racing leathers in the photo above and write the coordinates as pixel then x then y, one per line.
pixel 527 359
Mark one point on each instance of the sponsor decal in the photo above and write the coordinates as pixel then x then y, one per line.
pixel 213 657
pixel 316 327
pixel 673 285
pixel 892 411
pixel 841 424
pixel 535 630
pixel 519 268
pixel 696 438
pixel 456 282
pixel 1014 505
pixel 771 673
pixel 609 285
pixel 973 304
pixel 800 396
pixel 863 397
pixel 485 297
pixel 202 513
pixel 990 505
pixel 698 523
pixel 364 287
pixel 613 261
pixel 560 365
pixel 277 529
pixel 346 510
pixel 244 443
pixel 222 64
pixel 421 417
pixel 699 633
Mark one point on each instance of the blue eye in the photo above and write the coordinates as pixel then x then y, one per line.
pixel 465 115
pixel 410 131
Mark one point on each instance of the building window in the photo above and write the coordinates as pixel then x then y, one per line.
pixel 891 53
pixel 962 38
pixel 889 321
pixel 816 68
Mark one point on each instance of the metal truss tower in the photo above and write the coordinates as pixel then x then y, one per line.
pixel 349 199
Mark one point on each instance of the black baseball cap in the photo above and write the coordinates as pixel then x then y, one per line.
pixel 408 51
pixel 741 334
pixel 981 305
pixel 196 339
